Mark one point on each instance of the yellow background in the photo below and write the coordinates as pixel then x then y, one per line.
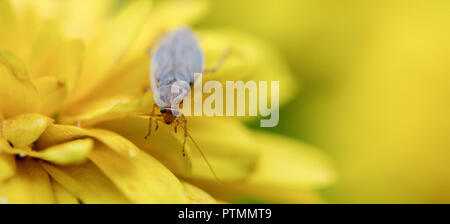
pixel 375 78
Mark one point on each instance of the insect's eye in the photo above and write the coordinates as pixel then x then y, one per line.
pixel 163 110
pixel 175 112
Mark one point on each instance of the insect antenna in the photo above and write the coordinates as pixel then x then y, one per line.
pixel 198 149
pixel 138 114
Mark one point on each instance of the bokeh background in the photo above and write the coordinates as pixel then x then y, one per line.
pixel 374 77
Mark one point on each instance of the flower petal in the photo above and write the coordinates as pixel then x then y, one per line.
pixel 6 22
pixel 141 178
pixel 24 129
pixel 31 184
pixel 21 36
pixel 94 13
pixel 225 142
pixel 249 59
pixel 7 165
pixel 164 16
pixel 67 13
pixel 86 182
pixel 308 166
pixel 227 145
pixel 44 48
pixel 197 195
pixel 54 65
pixel 53 92
pixel 134 61
pixel 73 152
pixel 109 46
pixel 163 144
pixel 286 172
pixel 17 92
pixel 104 109
pixel 56 134
pixel 116 142
pixel 235 192
pixel 62 195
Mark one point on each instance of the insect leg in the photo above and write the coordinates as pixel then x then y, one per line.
pixel 150 122
pixel 219 62
pixel 149 127
pixel 185 134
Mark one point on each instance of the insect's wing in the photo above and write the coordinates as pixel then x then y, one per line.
pixel 177 58
pixel 154 83
pixel 162 69
pixel 189 57
pixel 162 65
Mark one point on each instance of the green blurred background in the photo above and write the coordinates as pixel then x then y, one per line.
pixel 375 79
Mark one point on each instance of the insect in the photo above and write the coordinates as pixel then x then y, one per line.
pixel 175 61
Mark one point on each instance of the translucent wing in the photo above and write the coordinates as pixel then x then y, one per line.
pixel 177 58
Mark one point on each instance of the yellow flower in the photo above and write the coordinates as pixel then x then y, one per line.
pixel 72 83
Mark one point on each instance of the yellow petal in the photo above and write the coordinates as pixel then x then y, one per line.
pixel 249 59
pixel 67 13
pixel 141 178
pixel 70 63
pixel 24 129
pixel 286 162
pixel 52 92
pixel 17 92
pixel 164 16
pixel 59 61
pixel 7 21
pixel 22 35
pixel 135 61
pixel 225 143
pixel 228 146
pixel 286 172
pixel 110 45
pixel 7 165
pixel 236 192
pixel 222 202
pixel 73 152
pixel 45 8
pixel 62 196
pixel 84 26
pixel 163 144
pixel 31 184
pixel 13 65
pixel 114 141
pixel 197 195
pixel 121 97
pixel 45 48
pixel 104 109
pixel 56 134
pixel 86 182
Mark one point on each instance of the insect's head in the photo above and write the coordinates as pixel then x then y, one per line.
pixel 169 114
